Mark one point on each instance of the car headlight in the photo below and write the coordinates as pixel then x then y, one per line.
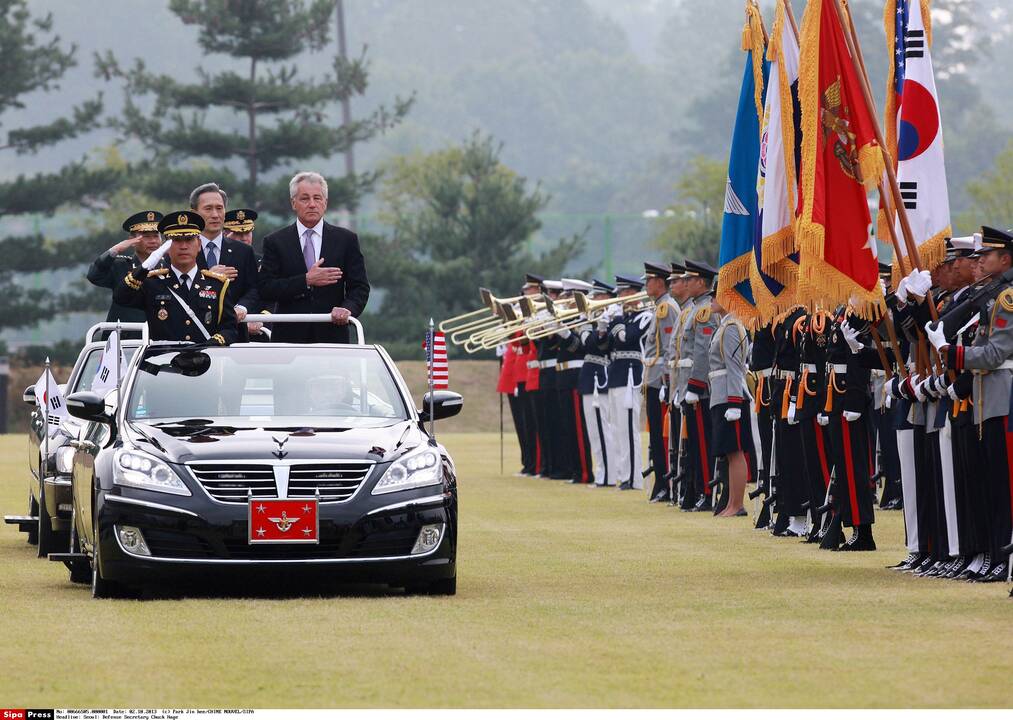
pixel 133 468
pixel 64 460
pixel 416 469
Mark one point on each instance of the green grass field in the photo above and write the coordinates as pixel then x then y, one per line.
pixel 567 597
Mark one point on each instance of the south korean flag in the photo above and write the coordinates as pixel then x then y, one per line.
pixel 50 400
pixel 110 369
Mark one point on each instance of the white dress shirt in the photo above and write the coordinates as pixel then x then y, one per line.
pixel 217 242
pixel 191 276
pixel 318 237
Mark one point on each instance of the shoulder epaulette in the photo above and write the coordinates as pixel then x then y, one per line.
pixel 217 276
pixel 703 314
pixel 158 272
pixel 1006 300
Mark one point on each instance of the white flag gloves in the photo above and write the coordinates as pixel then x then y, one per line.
pixel 901 291
pixel 662 391
pixel 919 282
pixel 823 419
pixel 692 398
pixel 851 416
pixel 851 337
pixel 156 257
pixel 792 420
pixel 733 414
pixel 934 332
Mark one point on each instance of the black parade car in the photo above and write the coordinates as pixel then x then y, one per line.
pixel 262 458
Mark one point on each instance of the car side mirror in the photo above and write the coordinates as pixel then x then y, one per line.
pixel 29 395
pixel 444 404
pixel 89 406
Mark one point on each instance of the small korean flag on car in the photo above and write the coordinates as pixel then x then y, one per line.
pixel 50 399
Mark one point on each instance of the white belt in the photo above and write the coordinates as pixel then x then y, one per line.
pixel 569 365
pixel 839 368
pixel 717 373
pixel 784 374
pixel 547 363
pixel 596 360
pixel 532 364
pixel 811 367
pixel 879 373
pixel 765 372
pixel 685 362
pixel 626 355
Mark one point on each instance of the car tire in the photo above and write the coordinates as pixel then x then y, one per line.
pixel 443 586
pixel 101 588
pixel 33 511
pixel 80 571
pixel 44 528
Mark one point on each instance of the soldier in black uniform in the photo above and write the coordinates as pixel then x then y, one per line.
pixel 180 302
pixel 111 266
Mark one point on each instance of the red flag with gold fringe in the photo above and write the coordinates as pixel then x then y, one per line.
pixel 841 160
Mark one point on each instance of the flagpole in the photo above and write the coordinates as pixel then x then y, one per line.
pixel 44 465
pixel 118 351
pixel 791 18
pixel 858 63
pixel 431 340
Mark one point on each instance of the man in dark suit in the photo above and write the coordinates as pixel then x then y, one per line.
pixel 313 267
pixel 225 256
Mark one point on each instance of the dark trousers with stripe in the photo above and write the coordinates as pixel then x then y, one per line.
pixel 536 402
pixel 816 461
pixel 884 433
pixel 574 435
pixel 969 484
pixel 997 444
pixel 925 497
pixel 853 496
pixel 699 426
pixel 659 451
pixel 765 422
pixel 566 434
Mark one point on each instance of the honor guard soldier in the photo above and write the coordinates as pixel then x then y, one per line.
pixel 569 363
pixel 180 302
pixel 990 359
pixel 657 352
pixel 681 482
pixel 694 359
pixel 593 387
pixel 729 410
pixel 623 333
pixel 556 466
pixel 239 225
pixel 111 266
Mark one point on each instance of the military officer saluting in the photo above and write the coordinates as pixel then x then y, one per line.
pixel 180 302
pixel 109 268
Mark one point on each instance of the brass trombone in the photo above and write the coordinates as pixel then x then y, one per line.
pixel 591 307
pixel 485 315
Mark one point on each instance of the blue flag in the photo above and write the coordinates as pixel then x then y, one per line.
pixel 741 214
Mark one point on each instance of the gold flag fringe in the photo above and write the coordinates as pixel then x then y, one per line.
pixel 730 275
pixel 752 40
pixel 932 252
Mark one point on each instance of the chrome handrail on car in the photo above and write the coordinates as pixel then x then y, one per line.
pixel 142 327
pixel 305 318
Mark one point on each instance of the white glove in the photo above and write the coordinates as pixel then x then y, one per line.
pixel 888 401
pixel 733 414
pixel 952 393
pixel 156 257
pixel 602 325
pixel 792 420
pixel 823 419
pixel 662 393
pixel 919 282
pixel 851 416
pixel 692 398
pixel 851 337
pixel 901 291
pixel 934 332
pixel 563 332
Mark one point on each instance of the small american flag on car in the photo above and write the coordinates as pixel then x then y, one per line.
pixel 435 345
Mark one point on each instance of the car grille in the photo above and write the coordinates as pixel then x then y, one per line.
pixel 235 482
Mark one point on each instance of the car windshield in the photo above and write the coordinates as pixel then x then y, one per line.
pixel 267 385
pixel 86 377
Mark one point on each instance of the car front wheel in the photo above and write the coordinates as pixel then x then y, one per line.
pixel 100 586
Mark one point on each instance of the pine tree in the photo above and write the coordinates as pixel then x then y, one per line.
pixel 254 123
pixel 32 60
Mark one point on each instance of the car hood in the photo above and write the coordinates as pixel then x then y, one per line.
pixel 186 443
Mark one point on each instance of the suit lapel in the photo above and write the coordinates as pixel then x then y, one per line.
pixel 329 246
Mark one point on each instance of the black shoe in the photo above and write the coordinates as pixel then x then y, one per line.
pixel 969 573
pixel 660 497
pixel 785 533
pixel 627 485
pixel 932 570
pixel 923 567
pixel 956 567
pixel 703 504
pixel 996 574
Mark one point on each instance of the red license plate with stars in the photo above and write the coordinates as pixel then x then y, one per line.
pixel 284 521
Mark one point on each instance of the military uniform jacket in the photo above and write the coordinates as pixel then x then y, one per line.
pixel 727 355
pixel 594 371
pixel 108 271
pixel 809 391
pixel 569 360
pixel 657 343
pixel 625 341
pixel 548 349
pixel 677 351
pixel 167 320
pixel 701 328
pixel 989 358
pixel 848 375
